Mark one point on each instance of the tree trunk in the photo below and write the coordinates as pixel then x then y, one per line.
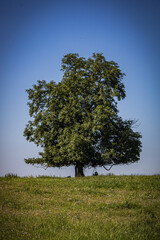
pixel 79 170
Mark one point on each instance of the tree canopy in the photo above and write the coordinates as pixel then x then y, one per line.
pixel 76 121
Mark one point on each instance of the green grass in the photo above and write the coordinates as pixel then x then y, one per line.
pixel 96 208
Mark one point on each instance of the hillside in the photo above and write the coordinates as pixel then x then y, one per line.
pixel 97 208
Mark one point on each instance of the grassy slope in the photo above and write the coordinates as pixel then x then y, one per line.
pixel 102 207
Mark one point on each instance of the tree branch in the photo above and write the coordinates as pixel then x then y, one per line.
pixel 108 169
pixel 43 167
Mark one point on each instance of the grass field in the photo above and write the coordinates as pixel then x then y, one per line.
pixel 96 208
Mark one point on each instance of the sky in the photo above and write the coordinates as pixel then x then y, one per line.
pixel 34 37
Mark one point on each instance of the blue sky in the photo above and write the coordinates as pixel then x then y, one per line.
pixel 35 35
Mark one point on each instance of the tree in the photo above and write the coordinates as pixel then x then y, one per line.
pixel 76 121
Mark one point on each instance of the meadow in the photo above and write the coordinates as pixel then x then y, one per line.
pixel 96 208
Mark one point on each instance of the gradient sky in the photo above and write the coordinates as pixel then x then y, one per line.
pixel 36 34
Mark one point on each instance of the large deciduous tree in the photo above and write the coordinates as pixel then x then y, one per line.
pixel 76 121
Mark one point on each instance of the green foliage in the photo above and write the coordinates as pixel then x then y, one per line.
pixel 11 175
pixel 76 121
pixel 101 207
